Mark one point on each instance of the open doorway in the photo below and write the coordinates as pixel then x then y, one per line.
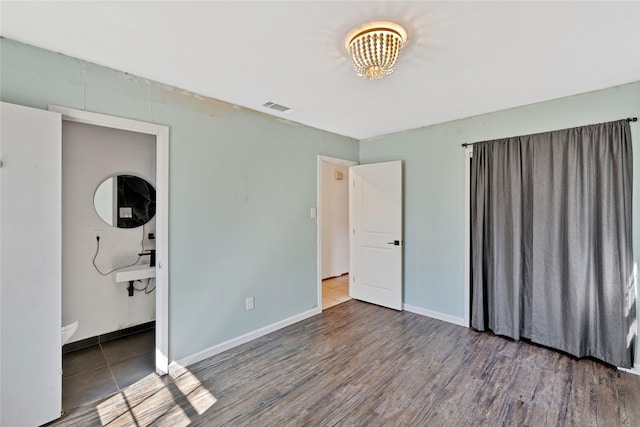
pixel 108 223
pixel 127 338
pixel 33 206
pixel 333 231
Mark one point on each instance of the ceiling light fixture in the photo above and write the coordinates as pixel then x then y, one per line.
pixel 374 48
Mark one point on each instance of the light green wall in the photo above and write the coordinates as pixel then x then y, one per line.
pixel 241 186
pixel 434 183
pixel 242 183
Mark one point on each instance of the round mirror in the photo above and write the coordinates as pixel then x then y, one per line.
pixel 125 201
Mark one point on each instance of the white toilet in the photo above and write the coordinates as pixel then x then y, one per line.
pixel 68 331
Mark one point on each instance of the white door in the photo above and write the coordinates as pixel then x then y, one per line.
pixel 375 207
pixel 30 266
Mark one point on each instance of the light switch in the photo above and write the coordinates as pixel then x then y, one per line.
pixel 313 212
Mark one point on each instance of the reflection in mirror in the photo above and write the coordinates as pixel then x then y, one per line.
pixel 125 201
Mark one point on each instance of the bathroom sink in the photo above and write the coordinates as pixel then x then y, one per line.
pixel 135 272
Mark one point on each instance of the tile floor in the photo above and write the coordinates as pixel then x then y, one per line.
pixel 335 291
pixel 103 369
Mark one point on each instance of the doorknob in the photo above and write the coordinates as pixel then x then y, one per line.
pixel 395 242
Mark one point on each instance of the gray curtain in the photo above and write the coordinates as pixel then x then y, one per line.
pixel 551 249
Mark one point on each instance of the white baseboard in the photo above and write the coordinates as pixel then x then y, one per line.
pixel 635 370
pixel 435 315
pixel 176 366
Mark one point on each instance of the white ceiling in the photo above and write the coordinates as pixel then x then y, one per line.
pixel 462 58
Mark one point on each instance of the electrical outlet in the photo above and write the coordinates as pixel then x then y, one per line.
pixel 249 303
pixel 98 234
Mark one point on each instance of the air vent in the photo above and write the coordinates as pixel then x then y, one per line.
pixel 278 107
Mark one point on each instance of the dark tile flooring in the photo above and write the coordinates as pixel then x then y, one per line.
pixel 102 369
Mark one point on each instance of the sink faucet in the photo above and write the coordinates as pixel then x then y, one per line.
pixel 152 256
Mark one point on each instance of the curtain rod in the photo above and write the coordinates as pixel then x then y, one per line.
pixel 628 119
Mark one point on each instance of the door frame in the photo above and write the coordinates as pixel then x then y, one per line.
pixel 161 133
pixel 335 161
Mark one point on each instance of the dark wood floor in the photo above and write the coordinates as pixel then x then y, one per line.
pixel 359 364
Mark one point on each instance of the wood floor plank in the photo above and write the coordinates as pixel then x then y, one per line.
pixel 358 364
